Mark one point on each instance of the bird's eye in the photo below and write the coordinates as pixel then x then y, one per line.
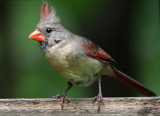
pixel 48 30
pixel 57 40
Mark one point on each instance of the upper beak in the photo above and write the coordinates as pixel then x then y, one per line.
pixel 37 36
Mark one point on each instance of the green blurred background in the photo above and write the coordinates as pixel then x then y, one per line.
pixel 127 29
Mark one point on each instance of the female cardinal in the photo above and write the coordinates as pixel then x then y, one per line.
pixel 76 58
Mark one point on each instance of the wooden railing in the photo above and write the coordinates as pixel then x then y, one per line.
pixel 120 106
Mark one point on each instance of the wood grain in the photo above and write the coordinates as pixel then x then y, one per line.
pixel 120 106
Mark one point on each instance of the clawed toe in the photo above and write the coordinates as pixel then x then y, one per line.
pixel 99 99
pixel 63 97
pixel 57 96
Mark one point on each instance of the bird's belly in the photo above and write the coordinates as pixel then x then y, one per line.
pixel 83 73
pixel 78 69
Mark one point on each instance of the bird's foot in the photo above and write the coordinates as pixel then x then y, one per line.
pixel 99 99
pixel 63 97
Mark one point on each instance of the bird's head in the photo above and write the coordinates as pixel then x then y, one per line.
pixel 48 32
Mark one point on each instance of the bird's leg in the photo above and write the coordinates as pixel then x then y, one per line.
pixel 99 97
pixel 64 96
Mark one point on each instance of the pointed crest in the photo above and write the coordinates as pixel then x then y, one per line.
pixel 45 10
pixel 48 14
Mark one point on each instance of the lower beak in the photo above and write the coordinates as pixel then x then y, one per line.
pixel 37 36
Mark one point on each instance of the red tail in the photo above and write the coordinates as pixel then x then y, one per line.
pixel 132 83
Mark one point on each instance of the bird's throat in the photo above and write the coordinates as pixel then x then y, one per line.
pixel 44 45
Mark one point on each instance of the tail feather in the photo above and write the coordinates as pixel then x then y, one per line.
pixel 132 83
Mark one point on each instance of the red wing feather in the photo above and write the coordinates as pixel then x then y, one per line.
pixel 96 52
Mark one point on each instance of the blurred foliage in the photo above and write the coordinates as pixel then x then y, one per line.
pixel 145 37
pixel 128 30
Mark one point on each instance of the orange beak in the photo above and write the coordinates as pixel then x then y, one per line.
pixel 36 35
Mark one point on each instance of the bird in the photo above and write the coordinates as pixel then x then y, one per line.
pixel 79 60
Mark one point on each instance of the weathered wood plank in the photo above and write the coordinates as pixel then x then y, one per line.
pixel 82 106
